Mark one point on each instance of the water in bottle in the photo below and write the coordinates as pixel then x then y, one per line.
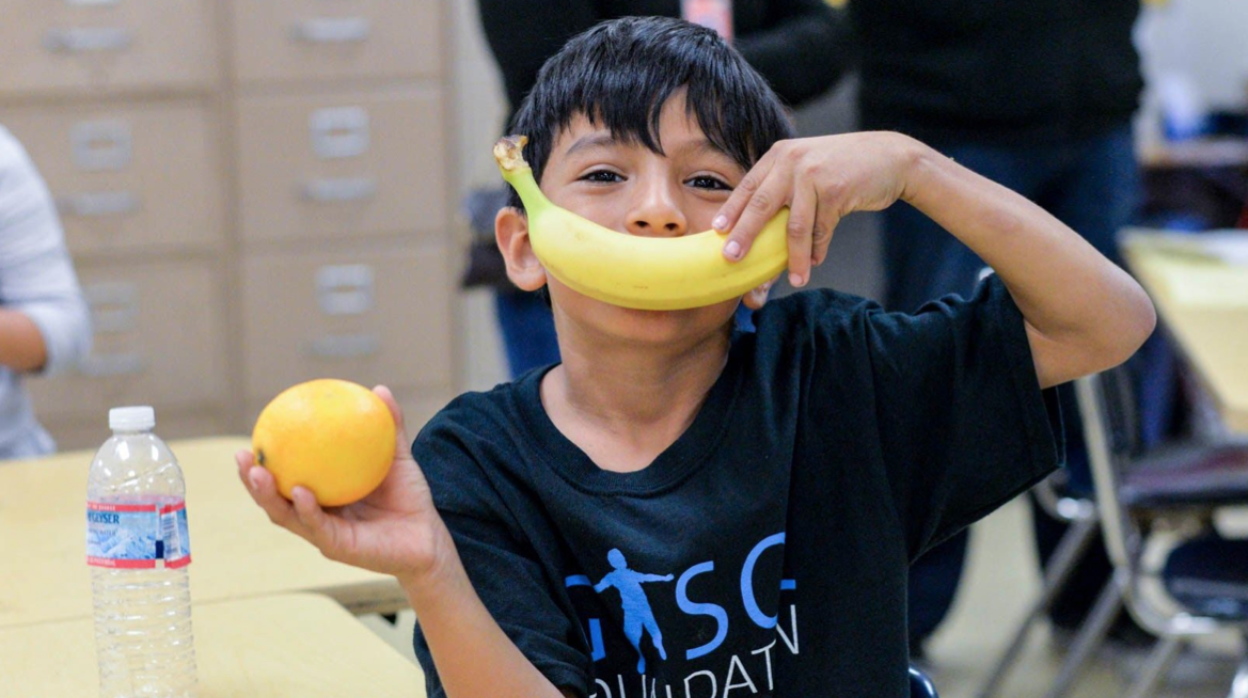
pixel 138 549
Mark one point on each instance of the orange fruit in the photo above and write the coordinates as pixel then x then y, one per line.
pixel 334 437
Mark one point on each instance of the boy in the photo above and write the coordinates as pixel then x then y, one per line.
pixel 678 510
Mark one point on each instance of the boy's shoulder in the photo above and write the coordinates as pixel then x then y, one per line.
pixel 822 308
pixel 476 411
pixel 472 440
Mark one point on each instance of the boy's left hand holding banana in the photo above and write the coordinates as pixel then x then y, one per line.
pixel 1078 306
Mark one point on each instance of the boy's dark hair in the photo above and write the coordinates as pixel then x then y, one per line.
pixel 621 72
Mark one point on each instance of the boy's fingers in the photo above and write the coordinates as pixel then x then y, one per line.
pixel 244 459
pixel 320 527
pixel 400 429
pixel 800 230
pixel 263 490
pixel 826 221
pixel 732 208
pixel 773 194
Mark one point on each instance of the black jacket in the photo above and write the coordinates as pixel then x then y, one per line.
pixel 997 70
pixel 800 46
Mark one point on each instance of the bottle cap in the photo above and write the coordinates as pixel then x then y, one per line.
pixel 131 418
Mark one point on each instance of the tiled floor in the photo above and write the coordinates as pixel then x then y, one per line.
pixel 1001 580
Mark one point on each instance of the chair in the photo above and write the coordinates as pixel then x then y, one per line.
pixel 1205 575
pixel 1079 512
pixel 920 685
pixel 1190 477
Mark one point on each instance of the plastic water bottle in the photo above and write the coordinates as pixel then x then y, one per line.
pixel 138 549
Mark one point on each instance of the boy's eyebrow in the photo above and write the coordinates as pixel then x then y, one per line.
pixel 602 139
pixel 699 146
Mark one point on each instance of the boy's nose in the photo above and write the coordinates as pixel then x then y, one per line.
pixel 657 215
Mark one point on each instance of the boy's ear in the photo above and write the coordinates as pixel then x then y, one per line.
pixel 511 231
pixel 757 296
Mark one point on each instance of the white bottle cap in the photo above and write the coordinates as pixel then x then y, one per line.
pixel 131 418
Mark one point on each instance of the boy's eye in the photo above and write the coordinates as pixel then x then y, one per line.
pixel 602 177
pixel 708 182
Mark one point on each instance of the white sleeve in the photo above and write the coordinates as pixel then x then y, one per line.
pixel 36 274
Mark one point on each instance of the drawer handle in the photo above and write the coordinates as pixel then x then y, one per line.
pixel 88 39
pixel 98 204
pixel 344 346
pixel 114 306
pixel 339 132
pixel 345 289
pixel 332 30
pixel 340 190
pixel 112 365
pixel 102 145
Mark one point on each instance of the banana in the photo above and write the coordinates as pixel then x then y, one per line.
pixel 645 273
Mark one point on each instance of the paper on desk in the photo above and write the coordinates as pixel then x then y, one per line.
pixel 1230 246
pixel 1205 284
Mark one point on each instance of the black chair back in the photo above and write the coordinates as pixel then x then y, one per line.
pixel 920 685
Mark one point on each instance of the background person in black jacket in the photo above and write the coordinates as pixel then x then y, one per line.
pixel 1038 96
pixel 802 47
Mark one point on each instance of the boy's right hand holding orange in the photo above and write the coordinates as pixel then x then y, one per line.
pixel 394 530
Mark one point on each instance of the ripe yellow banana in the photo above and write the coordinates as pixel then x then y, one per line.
pixel 646 273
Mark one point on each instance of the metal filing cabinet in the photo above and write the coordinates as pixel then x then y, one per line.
pixel 241 225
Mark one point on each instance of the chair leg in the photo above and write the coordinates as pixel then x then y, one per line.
pixel 1159 661
pixel 1061 565
pixel 1090 637
pixel 1239 685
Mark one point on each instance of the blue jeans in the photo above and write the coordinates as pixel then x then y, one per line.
pixel 528 329
pixel 1091 185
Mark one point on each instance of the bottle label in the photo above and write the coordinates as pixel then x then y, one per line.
pixel 176 548
pixel 135 536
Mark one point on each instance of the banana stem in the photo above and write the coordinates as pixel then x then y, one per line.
pixel 508 153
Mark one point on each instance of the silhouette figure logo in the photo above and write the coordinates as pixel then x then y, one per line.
pixel 638 616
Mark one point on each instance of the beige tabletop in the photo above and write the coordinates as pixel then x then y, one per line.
pixel 1199 284
pixel 236 551
pixel 285 646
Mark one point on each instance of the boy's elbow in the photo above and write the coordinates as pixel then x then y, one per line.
pixel 1136 322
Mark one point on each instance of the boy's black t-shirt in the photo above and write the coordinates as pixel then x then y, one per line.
pixel 765 553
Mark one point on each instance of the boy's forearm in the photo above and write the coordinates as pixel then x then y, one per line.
pixel 1069 294
pixel 473 655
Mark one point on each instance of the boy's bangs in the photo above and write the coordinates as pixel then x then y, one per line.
pixel 621 73
pixel 631 109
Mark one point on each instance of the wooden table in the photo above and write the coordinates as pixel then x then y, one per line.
pixel 237 553
pixel 1203 301
pixel 285 646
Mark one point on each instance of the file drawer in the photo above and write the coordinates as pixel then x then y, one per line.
pixel 87 46
pixel 317 40
pixel 159 339
pixel 127 177
pixel 90 432
pixel 375 316
pixel 344 165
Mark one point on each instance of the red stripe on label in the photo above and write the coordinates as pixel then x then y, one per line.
pixel 120 564
pixel 101 506
pixel 178 563
pixel 170 508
